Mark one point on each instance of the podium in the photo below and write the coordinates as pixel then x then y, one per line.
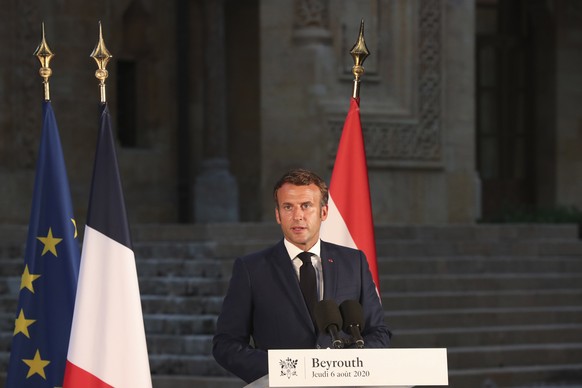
pixel 355 368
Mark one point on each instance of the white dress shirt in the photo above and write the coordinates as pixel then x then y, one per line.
pixel 293 251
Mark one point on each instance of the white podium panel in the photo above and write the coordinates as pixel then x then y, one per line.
pixel 357 367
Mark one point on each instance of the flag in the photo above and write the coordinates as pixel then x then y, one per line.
pixel 49 278
pixel 108 344
pixel 349 221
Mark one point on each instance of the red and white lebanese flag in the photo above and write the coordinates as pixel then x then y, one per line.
pixel 107 347
pixel 349 221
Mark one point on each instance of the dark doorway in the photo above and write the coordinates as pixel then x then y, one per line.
pixel 505 101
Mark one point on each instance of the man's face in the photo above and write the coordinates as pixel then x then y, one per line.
pixel 300 214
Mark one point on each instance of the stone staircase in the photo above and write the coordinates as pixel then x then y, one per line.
pixel 505 300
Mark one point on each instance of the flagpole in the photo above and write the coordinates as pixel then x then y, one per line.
pixel 49 281
pixel 359 52
pixel 102 56
pixel 349 219
pixel 44 55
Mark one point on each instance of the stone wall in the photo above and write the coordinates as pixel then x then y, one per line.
pixel 288 84
pixel 416 100
pixel 148 172
pixel 568 16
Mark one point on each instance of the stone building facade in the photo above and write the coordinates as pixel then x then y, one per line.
pixel 213 99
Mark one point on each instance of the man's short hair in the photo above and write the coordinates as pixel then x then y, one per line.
pixel 302 177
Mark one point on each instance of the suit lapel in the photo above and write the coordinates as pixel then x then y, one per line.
pixel 329 268
pixel 285 275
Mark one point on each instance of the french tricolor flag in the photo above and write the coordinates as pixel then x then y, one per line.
pixel 349 221
pixel 107 347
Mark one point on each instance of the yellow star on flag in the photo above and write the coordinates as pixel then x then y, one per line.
pixel 37 365
pixel 21 324
pixel 50 243
pixel 27 279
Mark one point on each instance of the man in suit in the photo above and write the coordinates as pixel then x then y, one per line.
pixel 264 307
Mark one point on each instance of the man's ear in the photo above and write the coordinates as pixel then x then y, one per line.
pixel 324 210
pixel 277 215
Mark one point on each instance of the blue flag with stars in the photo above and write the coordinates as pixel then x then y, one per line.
pixel 49 278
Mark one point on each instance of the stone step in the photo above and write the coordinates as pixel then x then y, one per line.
pixel 174 324
pixel 489 291
pixel 12 251
pixel 193 305
pixel 187 344
pixel 163 367
pixel 8 303
pixel 163 249
pixel 477 232
pixel 194 286
pixel 393 302
pixel 479 282
pixel 568 375
pixel 555 248
pixel 173 381
pixel 196 344
pixel 196 365
pixel 407 301
pixel 11 266
pixel 238 248
pixel 393 283
pixel 152 304
pixel 4 360
pixel 167 266
pixel 175 286
pixel 562 375
pixel 222 232
pixel 430 323
pixel 12 232
pixel 169 232
pixel 7 321
pixel 172 267
pixel 477 377
pixel 428 300
pixel 10 286
pixel 171 324
pixel 514 355
pixel 480 317
pixel 5 340
pixel 477 264
pixel 451 337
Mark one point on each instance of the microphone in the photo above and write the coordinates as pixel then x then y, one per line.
pixel 353 318
pixel 329 320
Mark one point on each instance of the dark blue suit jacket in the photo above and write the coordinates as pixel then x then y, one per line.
pixel 264 308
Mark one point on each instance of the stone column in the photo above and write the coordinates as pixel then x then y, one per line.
pixel 215 191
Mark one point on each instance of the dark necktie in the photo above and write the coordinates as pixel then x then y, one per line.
pixel 307 281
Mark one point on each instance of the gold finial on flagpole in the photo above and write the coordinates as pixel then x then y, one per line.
pixel 102 56
pixel 44 55
pixel 359 52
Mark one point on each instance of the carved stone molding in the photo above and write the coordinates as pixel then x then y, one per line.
pixel 414 142
pixel 311 13
pixel 311 22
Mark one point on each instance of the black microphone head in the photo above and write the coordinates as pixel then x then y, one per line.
pixel 327 314
pixel 353 314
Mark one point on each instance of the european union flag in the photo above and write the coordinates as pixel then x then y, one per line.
pixel 49 278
